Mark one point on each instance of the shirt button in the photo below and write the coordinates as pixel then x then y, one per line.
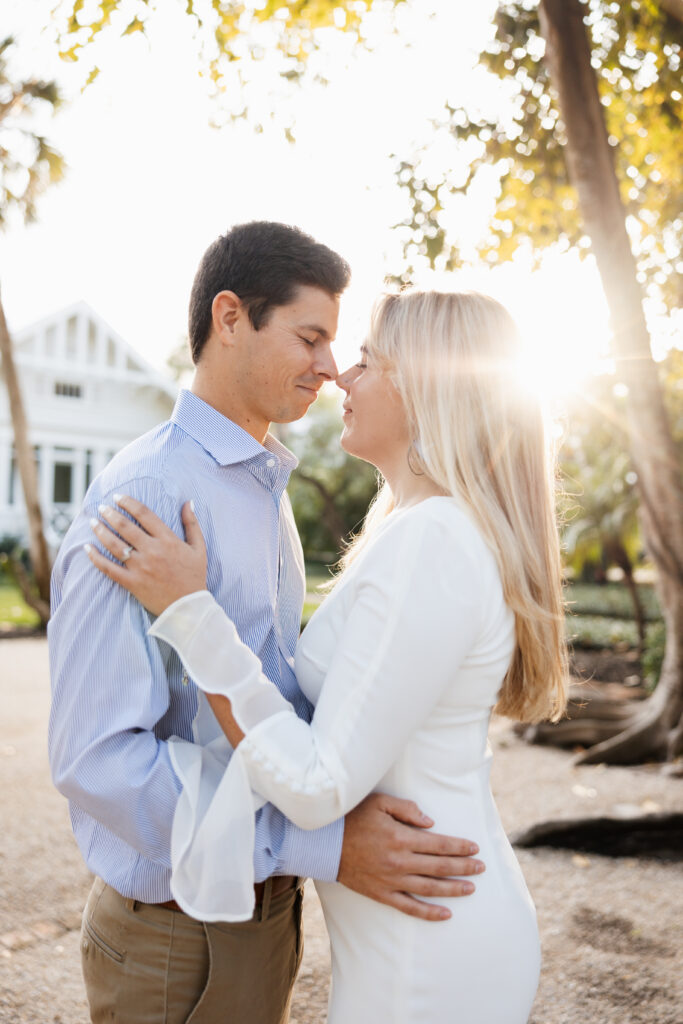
pixel 270 463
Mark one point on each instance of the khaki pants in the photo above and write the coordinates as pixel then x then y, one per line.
pixel 150 965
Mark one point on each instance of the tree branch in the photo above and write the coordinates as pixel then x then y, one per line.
pixel 673 7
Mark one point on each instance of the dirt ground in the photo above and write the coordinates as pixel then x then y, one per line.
pixel 612 929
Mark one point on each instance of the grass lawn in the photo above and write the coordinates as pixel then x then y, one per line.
pixel 601 615
pixel 316 573
pixel 611 599
pixel 13 609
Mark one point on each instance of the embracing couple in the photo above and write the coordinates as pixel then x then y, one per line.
pixel 213 759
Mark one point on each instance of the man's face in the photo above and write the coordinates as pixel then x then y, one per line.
pixel 280 368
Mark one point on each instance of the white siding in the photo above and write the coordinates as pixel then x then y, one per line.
pixel 85 391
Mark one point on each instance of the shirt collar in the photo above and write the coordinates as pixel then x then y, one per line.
pixel 224 440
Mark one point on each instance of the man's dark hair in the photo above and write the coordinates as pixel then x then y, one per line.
pixel 264 263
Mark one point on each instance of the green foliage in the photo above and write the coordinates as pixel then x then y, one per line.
pixel 600 500
pixel 671 376
pixel 13 609
pixel 636 53
pixel 330 491
pixel 231 33
pixel 600 632
pixel 653 655
pixel 28 163
pixel 610 600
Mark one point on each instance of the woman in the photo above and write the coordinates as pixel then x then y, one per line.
pixel 449 603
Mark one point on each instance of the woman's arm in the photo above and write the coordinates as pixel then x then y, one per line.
pixel 417 611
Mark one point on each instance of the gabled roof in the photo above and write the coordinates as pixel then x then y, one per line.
pixel 118 354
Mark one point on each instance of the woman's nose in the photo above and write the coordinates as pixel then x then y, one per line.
pixel 345 379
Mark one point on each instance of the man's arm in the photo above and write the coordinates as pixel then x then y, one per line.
pixel 383 858
pixel 111 689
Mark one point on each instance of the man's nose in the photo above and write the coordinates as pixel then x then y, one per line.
pixel 326 366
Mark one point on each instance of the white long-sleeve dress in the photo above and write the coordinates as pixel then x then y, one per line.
pixel 403 663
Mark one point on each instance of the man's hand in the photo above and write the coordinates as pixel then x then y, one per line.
pixel 389 856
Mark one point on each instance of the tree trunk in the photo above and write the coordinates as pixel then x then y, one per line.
pixel 18 573
pixel 618 554
pixel 657 726
pixel 40 559
pixel 673 7
pixel 333 521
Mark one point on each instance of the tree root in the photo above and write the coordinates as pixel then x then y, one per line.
pixel 614 731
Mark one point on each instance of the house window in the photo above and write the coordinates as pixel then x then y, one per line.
pixel 92 342
pixel 71 337
pixel 63 479
pixel 51 342
pixel 88 468
pixel 68 390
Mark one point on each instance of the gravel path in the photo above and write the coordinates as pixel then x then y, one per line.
pixel 612 929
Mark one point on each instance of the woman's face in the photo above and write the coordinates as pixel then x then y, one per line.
pixel 376 427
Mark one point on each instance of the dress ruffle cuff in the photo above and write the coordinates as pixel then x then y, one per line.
pixel 212 839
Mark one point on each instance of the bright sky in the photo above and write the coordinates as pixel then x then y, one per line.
pixel 151 183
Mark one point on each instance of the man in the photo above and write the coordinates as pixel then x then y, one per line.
pixel 263 316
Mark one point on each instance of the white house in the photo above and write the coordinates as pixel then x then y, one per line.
pixel 87 394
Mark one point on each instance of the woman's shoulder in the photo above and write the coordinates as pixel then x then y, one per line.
pixel 443 518
pixel 439 530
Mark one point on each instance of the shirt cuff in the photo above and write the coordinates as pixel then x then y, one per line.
pixel 313 854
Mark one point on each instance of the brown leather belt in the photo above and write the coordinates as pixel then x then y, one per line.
pixel 281 883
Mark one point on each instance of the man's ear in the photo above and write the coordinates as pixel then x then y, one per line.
pixel 226 312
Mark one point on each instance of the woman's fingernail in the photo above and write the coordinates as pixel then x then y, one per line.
pixel 444 914
pixel 118 498
pixel 427 820
pixel 473 849
pixel 467 888
pixel 105 510
pixel 87 548
pixel 479 867
pixel 94 523
pixel 192 504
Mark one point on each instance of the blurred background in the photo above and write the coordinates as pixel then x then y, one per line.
pixel 529 150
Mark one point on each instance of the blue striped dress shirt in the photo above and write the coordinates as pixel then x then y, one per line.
pixel 118 694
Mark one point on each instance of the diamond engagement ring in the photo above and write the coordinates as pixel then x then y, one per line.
pixel 126 553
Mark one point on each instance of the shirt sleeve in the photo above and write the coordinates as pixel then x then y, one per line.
pixel 417 611
pixel 110 691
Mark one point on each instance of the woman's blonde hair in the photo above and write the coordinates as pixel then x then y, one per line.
pixel 480 436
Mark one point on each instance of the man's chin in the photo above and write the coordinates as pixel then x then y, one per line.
pixel 294 411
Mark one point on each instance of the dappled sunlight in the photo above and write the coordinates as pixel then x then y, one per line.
pixel 561 313
pixel 565 327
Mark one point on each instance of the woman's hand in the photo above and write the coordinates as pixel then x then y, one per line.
pixel 154 564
